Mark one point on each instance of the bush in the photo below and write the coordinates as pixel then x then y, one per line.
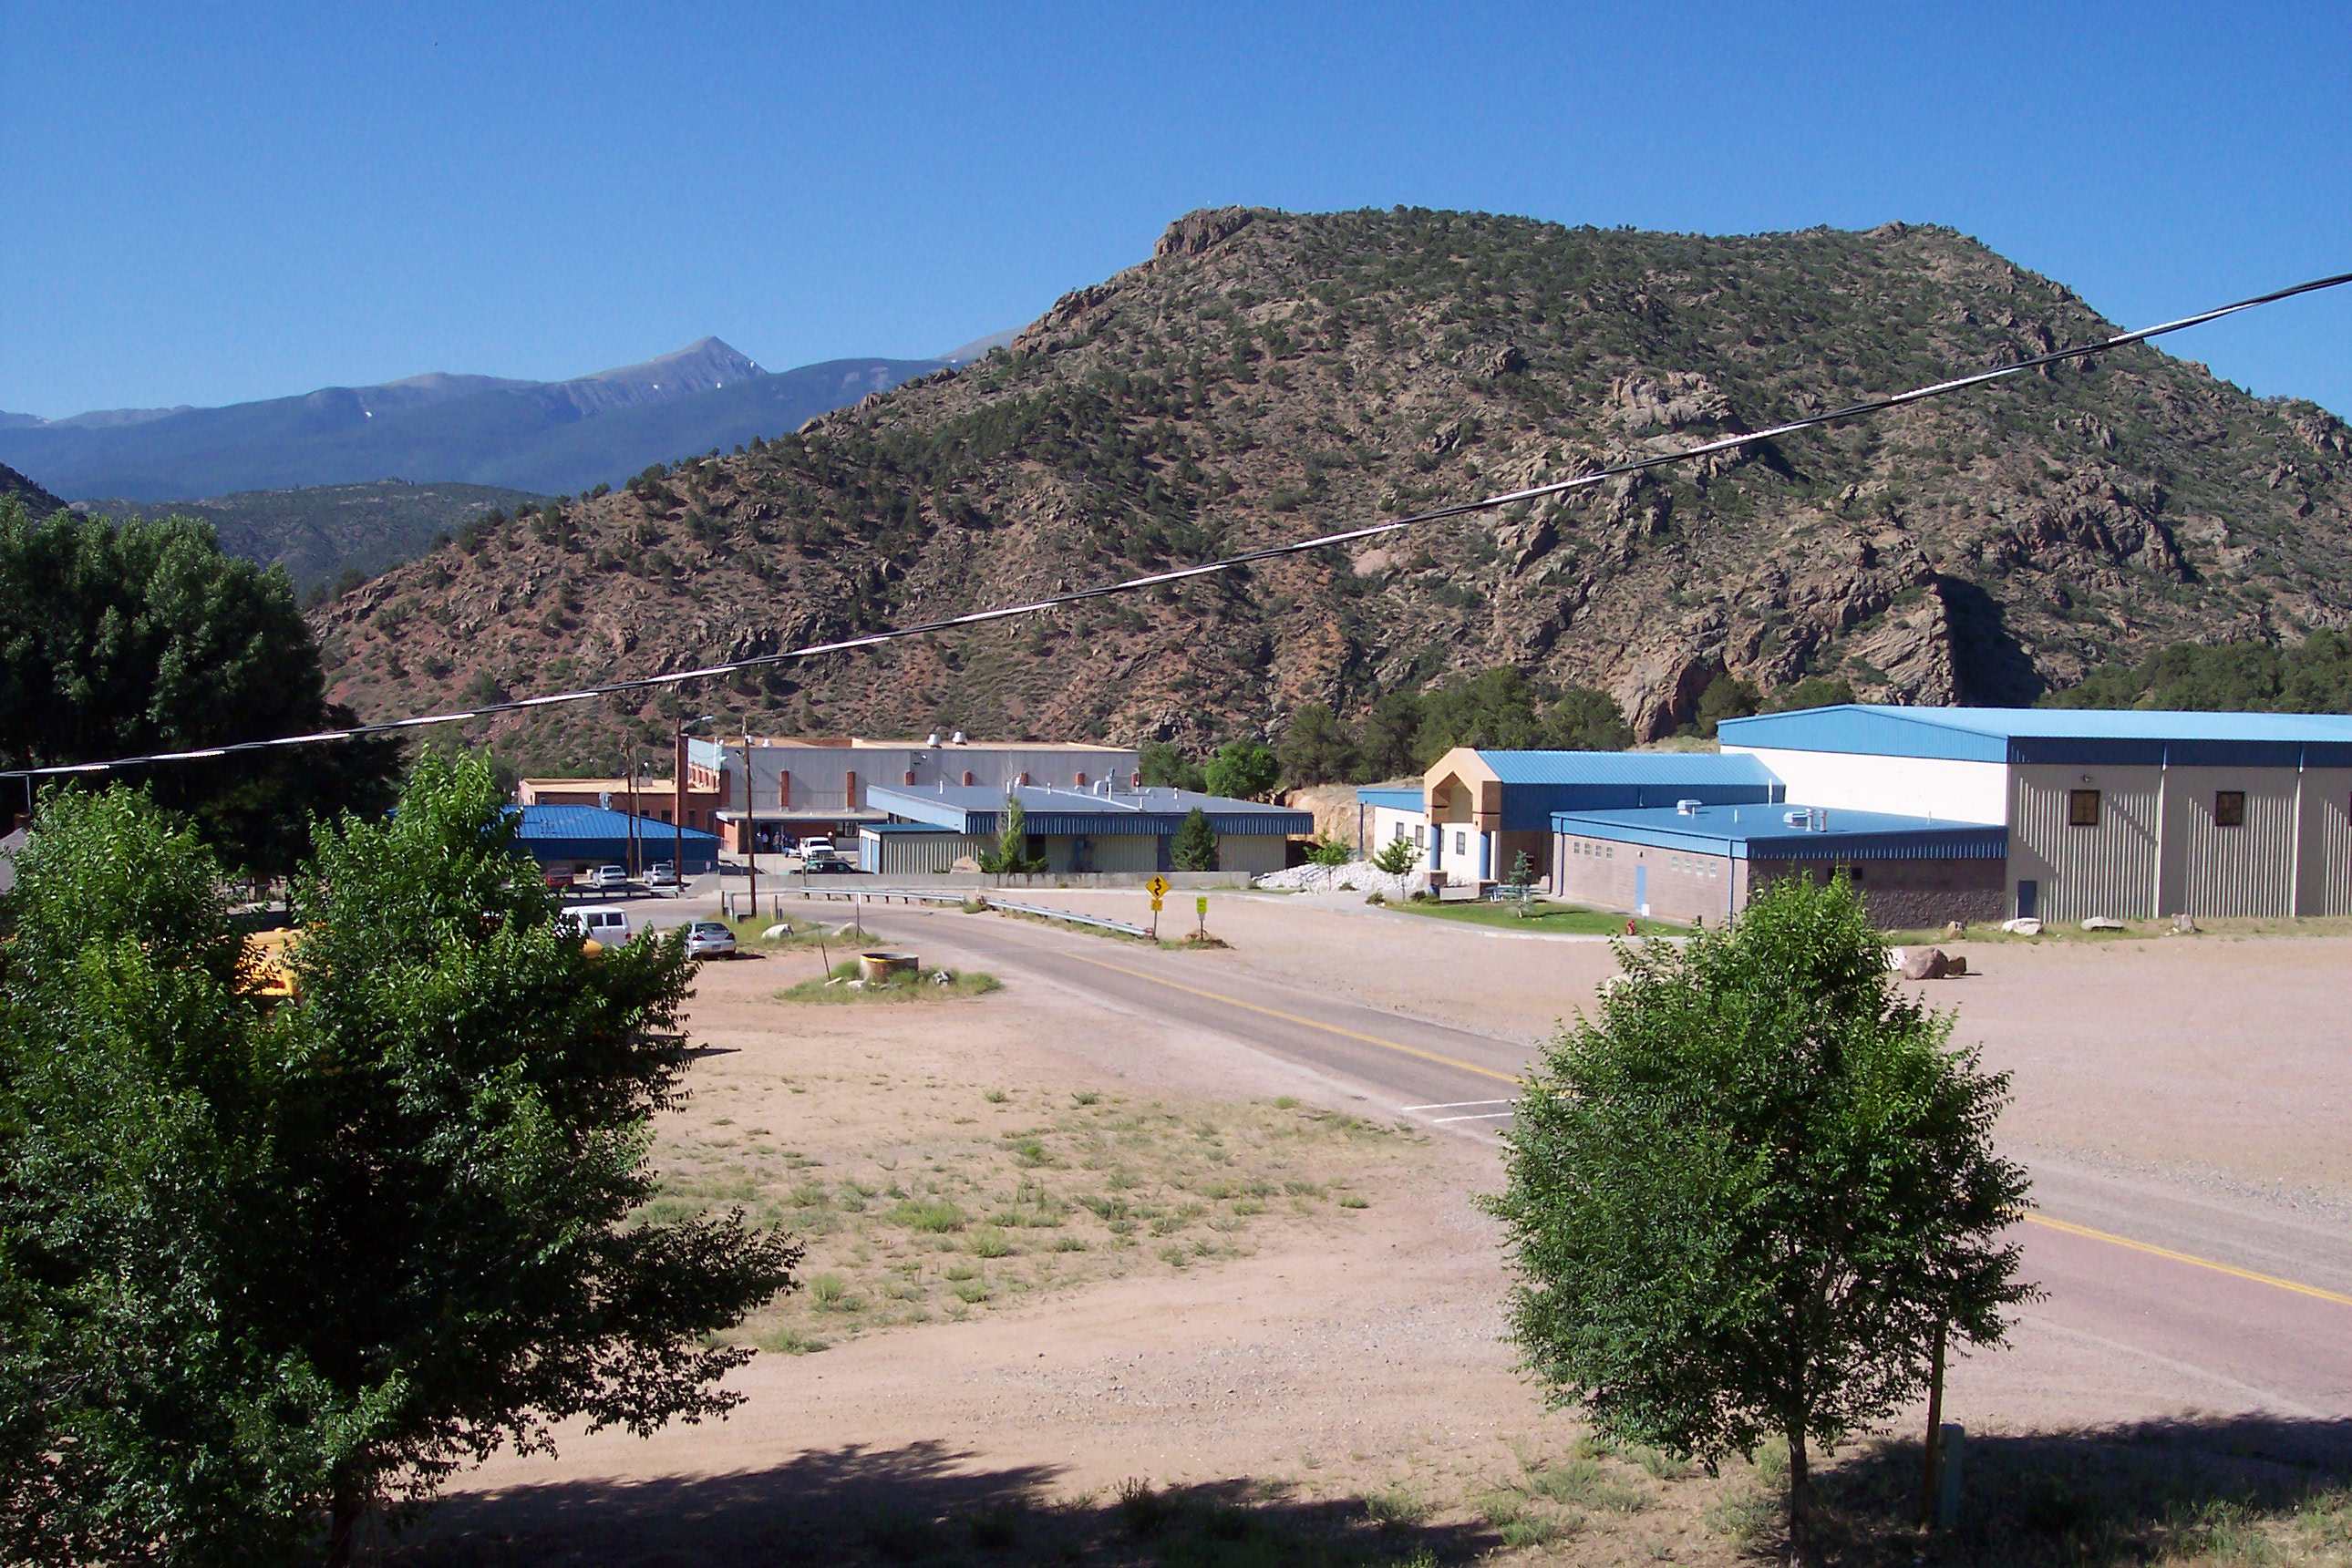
pixel 1330 852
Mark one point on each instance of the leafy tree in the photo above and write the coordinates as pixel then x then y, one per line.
pixel 1586 720
pixel 1387 750
pixel 288 1263
pixel 1316 748
pixel 1726 696
pixel 1329 851
pixel 1743 1197
pixel 1493 712
pixel 1242 770
pixel 1010 857
pixel 2312 677
pixel 1397 857
pixel 1163 766
pixel 1194 847
pixel 1813 691
pixel 143 636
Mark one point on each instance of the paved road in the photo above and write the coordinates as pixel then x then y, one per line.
pixel 2249 1306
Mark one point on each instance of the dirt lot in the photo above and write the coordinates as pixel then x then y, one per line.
pixel 1092 1288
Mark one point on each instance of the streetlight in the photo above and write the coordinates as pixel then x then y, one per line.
pixel 677 805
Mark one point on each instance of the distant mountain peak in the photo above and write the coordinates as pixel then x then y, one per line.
pixel 705 364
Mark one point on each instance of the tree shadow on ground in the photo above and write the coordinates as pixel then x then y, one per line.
pixel 2222 1489
pixel 918 1504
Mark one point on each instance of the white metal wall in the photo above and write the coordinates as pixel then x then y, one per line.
pixel 1256 853
pixel 2324 855
pixel 1381 823
pixel 2109 870
pixel 1910 786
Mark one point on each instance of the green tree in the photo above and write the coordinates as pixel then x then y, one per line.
pixel 1242 770
pixel 1163 766
pixel 1397 857
pixel 1194 847
pixel 1586 720
pixel 1726 696
pixel 295 1262
pixel 1493 712
pixel 1010 857
pixel 1744 1197
pixel 1391 728
pixel 1315 747
pixel 143 636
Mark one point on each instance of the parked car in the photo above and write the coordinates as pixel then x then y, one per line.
pixel 661 874
pixel 608 877
pixel 708 939
pixel 605 923
pixel 809 847
pixel 826 864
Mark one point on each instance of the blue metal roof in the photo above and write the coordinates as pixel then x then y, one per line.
pixel 2055 735
pixel 978 810
pixel 1624 768
pixel 1399 799
pixel 548 825
pixel 1766 833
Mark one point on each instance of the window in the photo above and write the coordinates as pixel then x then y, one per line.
pixel 1418 841
pixel 1461 843
pixel 2082 808
pixel 1400 832
pixel 2229 808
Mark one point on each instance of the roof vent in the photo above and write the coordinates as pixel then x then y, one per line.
pixel 1820 820
pixel 1800 819
pixel 932 739
pixel 1687 808
pixel 956 738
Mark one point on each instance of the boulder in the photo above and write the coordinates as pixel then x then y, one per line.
pixel 775 932
pixel 2103 923
pixel 1919 963
pixel 2028 927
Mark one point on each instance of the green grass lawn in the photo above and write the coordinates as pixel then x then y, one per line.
pixel 1545 915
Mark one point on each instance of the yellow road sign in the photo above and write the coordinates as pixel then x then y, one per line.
pixel 1158 888
pixel 1155 903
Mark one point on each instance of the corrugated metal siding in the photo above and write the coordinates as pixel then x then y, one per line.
pixel 1123 852
pixel 1254 853
pixel 2229 872
pixel 2326 860
pixel 2109 870
pixel 918 853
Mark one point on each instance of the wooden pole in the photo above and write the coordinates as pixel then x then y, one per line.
pixel 750 823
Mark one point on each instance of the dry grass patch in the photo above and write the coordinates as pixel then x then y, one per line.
pixel 907 1221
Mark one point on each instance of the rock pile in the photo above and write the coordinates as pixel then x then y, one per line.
pixel 1356 876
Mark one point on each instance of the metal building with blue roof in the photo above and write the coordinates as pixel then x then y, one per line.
pixel 566 840
pixel 2131 814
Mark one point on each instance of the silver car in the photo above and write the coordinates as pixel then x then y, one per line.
pixel 708 939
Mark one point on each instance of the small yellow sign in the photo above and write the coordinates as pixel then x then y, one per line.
pixel 1155 906
pixel 1158 888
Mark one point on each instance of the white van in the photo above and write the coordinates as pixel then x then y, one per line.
pixel 605 923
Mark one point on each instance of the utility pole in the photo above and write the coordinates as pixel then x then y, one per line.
pixel 629 761
pixel 750 823
pixel 677 803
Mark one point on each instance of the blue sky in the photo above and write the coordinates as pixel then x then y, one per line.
pixel 213 203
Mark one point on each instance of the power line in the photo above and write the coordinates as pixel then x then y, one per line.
pixel 1158 579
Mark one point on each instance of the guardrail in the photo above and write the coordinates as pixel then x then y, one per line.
pixel 1070 915
pixel 904 895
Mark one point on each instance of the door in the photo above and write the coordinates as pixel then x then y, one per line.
pixel 1641 889
pixel 2029 901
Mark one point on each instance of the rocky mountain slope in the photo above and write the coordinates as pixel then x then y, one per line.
pixel 1268 376
pixel 38 501
pixel 545 438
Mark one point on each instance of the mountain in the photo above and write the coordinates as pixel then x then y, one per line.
pixel 965 353
pixel 1268 376
pixel 544 438
pixel 322 532
pixel 38 501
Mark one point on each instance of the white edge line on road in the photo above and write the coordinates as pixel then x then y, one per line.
pixel 1489 1116
pixel 1454 1105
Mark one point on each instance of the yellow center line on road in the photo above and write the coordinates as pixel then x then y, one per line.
pixel 1294 1019
pixel 2191 1258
